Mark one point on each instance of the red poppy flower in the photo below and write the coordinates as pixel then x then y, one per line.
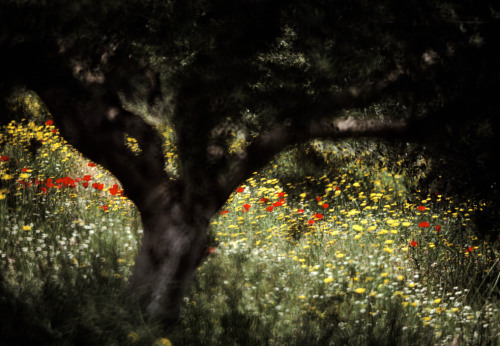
pixel 87 178
pixel 246 206
pixel 470 249
pixel 24 169
pixel 98 186
pixel 325 205
pixel 421 208
pixel 337 188
pixel 85 184
pixel 311 222
pixel 54 131
pixel 224 212
pixel 91 164
pixel 318 216
pixel 270 208
pixel 4 158
pixel 240 189
pixel 423 224
pixel 49 122
pixel 69 182
pixel 211 249
pixel 280 194
pixel 413 243
pixel 438 228
pixel 318 198
pixel 264 200
pixel 49 183
pixel 279 203
pixel 300 211
pixel 104 207
pixel 114 190
pixel 66 181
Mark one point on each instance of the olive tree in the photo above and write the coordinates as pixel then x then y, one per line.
pixel 278 72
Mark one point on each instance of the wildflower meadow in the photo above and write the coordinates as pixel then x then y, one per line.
pixel 344 249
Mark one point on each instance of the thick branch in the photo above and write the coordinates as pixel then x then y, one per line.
pixel 260 152
pixel 293 131
pixel 94 122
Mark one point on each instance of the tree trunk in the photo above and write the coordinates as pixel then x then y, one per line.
pixel 173 245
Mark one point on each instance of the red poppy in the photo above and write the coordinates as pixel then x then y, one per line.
pixel 423 224
pixel 49 122
pixel 104 207
pixel 470 249
pixel 98 186
pixel 240 189
pixel 438 228
pixel 337 188
pixel 78 179
pixel 300 211
pixel 279 203
pixel 224 212
pixel 85 184
pixel 91 164
pixel 4 158
pixel 318 198
pixel 246 206
pixel 318 216
pixel 114 190
pixel 413 243
pixel 311 222
pixel 24 169
pixel 421 208
pixel 280 194
pixel 49 183
pixel 87 178
pixel 54 131
pixel 264 200
pixel 270 208
pixel 66 181
pixel 325 205
pixel 211 249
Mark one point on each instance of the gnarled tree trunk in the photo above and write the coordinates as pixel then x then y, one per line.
pixel 173 244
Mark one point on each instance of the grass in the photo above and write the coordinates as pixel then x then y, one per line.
pixel 346 256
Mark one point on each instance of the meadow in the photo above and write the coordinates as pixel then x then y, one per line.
pixel 344 250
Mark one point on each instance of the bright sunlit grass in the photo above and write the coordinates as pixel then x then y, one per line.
pixel 347 256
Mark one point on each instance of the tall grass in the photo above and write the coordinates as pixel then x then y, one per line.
pixel 338 251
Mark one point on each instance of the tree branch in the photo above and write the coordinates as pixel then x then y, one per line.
pixel 94 122
pixel 262 150
pixel 294 131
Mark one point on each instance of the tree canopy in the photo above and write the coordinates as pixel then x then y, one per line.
pixel 275 73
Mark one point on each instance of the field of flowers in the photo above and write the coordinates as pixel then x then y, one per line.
pixel 344 254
